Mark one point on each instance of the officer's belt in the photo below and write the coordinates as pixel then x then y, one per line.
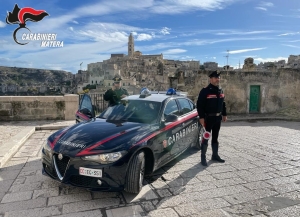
pixel 214 114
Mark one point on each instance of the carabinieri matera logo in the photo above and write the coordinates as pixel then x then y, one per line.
pixel 21 16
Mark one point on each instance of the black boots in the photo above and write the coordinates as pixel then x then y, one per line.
pixel 215 156
pixel 203 153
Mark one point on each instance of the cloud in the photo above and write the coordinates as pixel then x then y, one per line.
pixel 97 35
pixel 270 59
pixel 264 5
pixel 261 8
pixel 294 41
pixel 245 50
pixel 117 6
pixel 174 51
pixel 197 42
pixel 289 33
pixel 144 37
pixel 110 32
pixel 2 24
pixel 293 46
pixel 165 31
pixel 180 6
pixel 243 32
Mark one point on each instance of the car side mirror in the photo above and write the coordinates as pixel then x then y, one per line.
pixel 162 124
pixel 171 118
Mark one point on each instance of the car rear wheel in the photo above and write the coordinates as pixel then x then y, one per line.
pixel 135 173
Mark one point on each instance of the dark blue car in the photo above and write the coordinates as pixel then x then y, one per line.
pixel 115 150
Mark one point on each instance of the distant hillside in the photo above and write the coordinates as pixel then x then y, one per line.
pixel 30 76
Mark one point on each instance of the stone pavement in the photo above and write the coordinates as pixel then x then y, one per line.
pixel 14 134
pixel 261 177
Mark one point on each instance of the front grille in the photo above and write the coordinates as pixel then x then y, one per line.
pixel 61 164
pixel 50 171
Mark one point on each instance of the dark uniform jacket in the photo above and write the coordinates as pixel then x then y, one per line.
pixel 211 100
pixel 114 96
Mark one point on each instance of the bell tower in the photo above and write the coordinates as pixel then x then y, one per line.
pixel 130 45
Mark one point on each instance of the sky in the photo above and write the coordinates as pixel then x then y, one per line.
pixel 202 30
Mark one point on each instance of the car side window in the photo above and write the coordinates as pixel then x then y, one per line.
pixel 86 103
pixel 192 105
pixel 171 108
pixel 185 106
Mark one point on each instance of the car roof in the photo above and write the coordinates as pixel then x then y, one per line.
pixel 156 97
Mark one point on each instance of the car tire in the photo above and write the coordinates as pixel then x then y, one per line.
pixel 199 138
pixel 135 173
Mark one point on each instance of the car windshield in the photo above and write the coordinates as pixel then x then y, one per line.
pixel 140 111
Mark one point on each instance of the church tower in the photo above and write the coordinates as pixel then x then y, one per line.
pixel 130 45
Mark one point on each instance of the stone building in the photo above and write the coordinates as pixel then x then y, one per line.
pixel 130 45
pixel 294 61
pixel 255 91
pixel 210 65
pixel 249 64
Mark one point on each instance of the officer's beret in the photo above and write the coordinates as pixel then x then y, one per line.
pixel 117 78
pixel 215 74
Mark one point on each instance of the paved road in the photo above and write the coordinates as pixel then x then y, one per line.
pixel 261 177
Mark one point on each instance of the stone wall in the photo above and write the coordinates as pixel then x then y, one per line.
pixel 278 90
pixel 38 107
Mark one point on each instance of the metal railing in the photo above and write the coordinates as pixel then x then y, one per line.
pixel 98 102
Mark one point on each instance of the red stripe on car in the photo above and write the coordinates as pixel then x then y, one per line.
pixel 82 115
pixel 88 151
pixel 52 144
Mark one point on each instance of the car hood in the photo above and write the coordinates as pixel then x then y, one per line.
pixel 98 136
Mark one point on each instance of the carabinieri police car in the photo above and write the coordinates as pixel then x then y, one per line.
pixel 115 150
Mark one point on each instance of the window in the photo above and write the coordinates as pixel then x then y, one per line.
pixel 185 106
pixel 192 105
pixel 139 111
pixel 86 103
pixel 171 108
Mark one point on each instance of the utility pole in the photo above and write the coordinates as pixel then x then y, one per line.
pixel 227 56
pixel 80 66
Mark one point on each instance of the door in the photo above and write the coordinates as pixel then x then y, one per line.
pixel 190 125
pixel 254 98
pixel 168 139
pixel 86 109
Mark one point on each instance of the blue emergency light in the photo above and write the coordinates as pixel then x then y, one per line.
pixel 171 91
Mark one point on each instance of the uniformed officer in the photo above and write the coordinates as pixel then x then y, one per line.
pixel 211 108
pixel 116 93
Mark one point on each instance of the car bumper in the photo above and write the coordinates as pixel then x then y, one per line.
pixel 67 171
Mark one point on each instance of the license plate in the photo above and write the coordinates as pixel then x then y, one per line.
pixel 90 172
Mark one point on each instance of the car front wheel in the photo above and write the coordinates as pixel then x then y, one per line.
pixel 135 173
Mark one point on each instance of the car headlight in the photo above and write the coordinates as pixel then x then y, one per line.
pixel 47 146
pixel 105 158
